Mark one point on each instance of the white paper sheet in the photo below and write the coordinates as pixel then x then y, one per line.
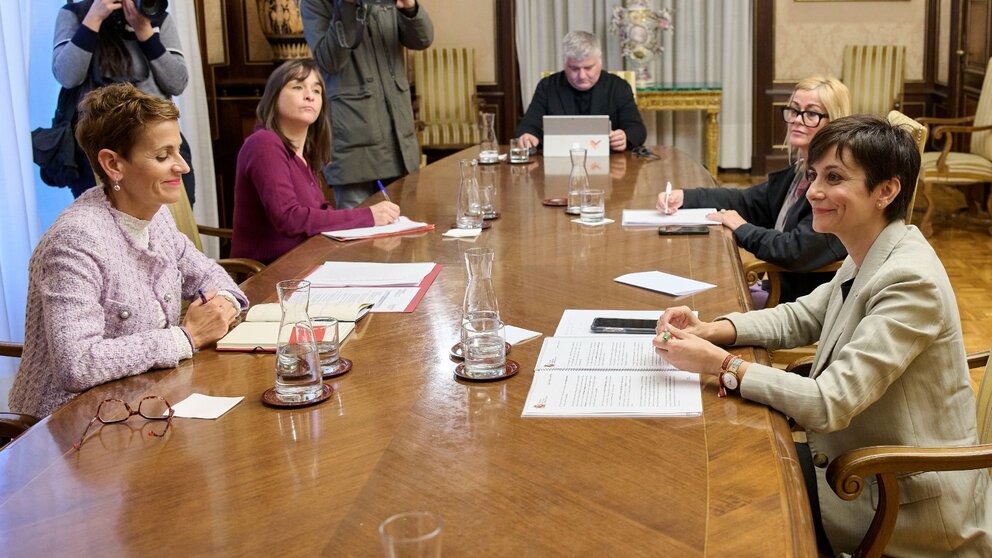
pixel 655 218
pixel 517 335
pixel 664 283
pixel 625 393
pixel 370 274
pixel 401 224
pixel 383 299
pixel 202 406
pixel 631 352
pixel 462 233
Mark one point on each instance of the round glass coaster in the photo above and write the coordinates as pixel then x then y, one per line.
pixel 555 202
pixel 269 398
pixel 344 366
pixel 511 368
pixel 485 225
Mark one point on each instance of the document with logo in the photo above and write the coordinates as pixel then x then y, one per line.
pixel 609 377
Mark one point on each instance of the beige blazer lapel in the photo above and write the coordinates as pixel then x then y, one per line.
pixel 829 333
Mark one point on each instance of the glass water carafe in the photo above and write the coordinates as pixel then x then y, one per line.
pixel 298 376
pixel 488 146
pixel 578 179
pixel 468 207
pixel 480 296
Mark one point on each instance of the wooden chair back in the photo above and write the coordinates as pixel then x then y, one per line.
pixel 182 213
pixel 446 98
pixel 874 74
pixel 981 141
pixel 919 133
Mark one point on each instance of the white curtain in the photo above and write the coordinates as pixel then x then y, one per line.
pixel 711 43
pixel 195 122
pixel 19 229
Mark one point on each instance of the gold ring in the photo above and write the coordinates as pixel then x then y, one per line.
pixel 723 211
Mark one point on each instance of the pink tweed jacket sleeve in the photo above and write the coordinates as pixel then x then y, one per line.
pixel 92 298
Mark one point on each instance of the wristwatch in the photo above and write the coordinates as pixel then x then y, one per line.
pixel 728 377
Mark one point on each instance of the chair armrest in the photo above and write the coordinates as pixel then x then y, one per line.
pixel 927 120
pixel 948 131
pixel 13 425
pixel 8 349
pixel 846 476
pixel 802 366
pixel 978 360
pixel 244 266
pixel 754 268
pixel 214 231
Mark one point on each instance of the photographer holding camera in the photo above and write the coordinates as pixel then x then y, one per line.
pixel 99 42
pixel 357 45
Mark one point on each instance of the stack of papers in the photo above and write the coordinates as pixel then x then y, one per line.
pixel 655 218
pixel 664 283
pixel 402 225
pixel 609 377
pixel 368 274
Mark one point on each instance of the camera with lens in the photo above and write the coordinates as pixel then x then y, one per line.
pixel 152 9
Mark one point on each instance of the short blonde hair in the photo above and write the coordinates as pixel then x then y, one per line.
pixel 834 96
pixel 114 117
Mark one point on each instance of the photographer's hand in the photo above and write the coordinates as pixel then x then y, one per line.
pixel 99 11
pixel 142 25
pixel 406 4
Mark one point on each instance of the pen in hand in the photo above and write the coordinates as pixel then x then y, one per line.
pixel 668 192
pixel 383 190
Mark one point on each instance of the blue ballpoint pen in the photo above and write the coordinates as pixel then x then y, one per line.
pixel 383 190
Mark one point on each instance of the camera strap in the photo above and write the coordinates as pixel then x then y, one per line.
pixel 361 15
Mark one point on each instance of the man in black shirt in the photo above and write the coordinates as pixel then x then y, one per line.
pixel 582 88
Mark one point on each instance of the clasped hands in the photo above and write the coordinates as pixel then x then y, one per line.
pixel 688 342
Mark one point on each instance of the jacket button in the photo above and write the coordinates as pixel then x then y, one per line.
pixel 368 80
pixel 124 314
pixel 820 460
pixel 168 298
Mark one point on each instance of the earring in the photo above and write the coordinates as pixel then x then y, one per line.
pixel 117 185
pixel 879 205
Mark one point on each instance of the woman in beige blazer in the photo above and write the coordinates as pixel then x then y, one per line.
pixel 890 368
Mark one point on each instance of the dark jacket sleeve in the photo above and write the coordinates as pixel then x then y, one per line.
pixel 629 117
pixel 758 204
pixel 533 121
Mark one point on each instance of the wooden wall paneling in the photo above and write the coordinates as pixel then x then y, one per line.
pixel 764 67
pixel 502 97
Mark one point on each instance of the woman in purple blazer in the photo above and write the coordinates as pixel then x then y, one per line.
pixel 278 202
pixel 107 279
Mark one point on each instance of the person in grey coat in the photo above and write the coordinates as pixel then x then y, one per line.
pixel 98 42
pixel 890 366
pixel 372 126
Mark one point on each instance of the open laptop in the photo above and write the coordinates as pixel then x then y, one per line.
pixel 591 132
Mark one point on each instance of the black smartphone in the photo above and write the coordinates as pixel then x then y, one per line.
pixel 687 229
pixel 622 325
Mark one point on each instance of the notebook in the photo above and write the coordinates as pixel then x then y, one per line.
pixel 590 131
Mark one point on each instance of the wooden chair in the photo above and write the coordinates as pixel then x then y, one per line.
pixel 954 168
pixel 447 103
pixel 756 269
pixel 847 472
pixel 874 75
pixel 630 76
pixel 238 268
pixel 13 425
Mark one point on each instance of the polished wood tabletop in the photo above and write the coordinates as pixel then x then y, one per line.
pixel 402 433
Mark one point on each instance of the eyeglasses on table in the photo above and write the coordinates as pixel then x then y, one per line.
pixel 113 411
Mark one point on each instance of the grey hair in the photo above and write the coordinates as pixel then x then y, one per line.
pixel 580 45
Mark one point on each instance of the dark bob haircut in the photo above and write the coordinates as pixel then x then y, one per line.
pixel 883 150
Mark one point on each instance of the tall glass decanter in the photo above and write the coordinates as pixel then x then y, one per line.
pixel 480 296
pixel 298 375
pixel 468 207
pixel 578 179
pixel 488 146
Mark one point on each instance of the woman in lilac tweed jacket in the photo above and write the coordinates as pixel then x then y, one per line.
pixel 107 279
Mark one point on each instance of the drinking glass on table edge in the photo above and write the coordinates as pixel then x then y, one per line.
pixel 415 534
pixel 112 411
pixel 519 153
pixel 326 331
pixel 593 208
pixel 483 347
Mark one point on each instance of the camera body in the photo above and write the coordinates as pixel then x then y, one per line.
pixel 379 2
pixel 152 8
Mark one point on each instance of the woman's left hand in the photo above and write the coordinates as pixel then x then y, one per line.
pixel 406 4
pixel 689 352
pixel 142 25
pixel 728 217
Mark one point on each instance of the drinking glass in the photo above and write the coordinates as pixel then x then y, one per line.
pixel 518 151
pixel 488 191
pixel 593 206
pixel 483 346
pixel 415 534
pixel 325 329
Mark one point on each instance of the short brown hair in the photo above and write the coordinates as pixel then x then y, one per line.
pixel 114 117
pixel 882 149
pixel 317 148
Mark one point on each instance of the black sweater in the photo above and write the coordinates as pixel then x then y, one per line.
pixel 610 96
pixel 798 248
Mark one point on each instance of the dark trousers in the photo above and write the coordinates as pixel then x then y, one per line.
pixel 809 479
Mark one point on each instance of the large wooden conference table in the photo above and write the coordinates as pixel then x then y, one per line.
pixel 402 433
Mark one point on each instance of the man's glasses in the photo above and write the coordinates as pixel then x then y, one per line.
pixel 809 118
pixel 112 411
